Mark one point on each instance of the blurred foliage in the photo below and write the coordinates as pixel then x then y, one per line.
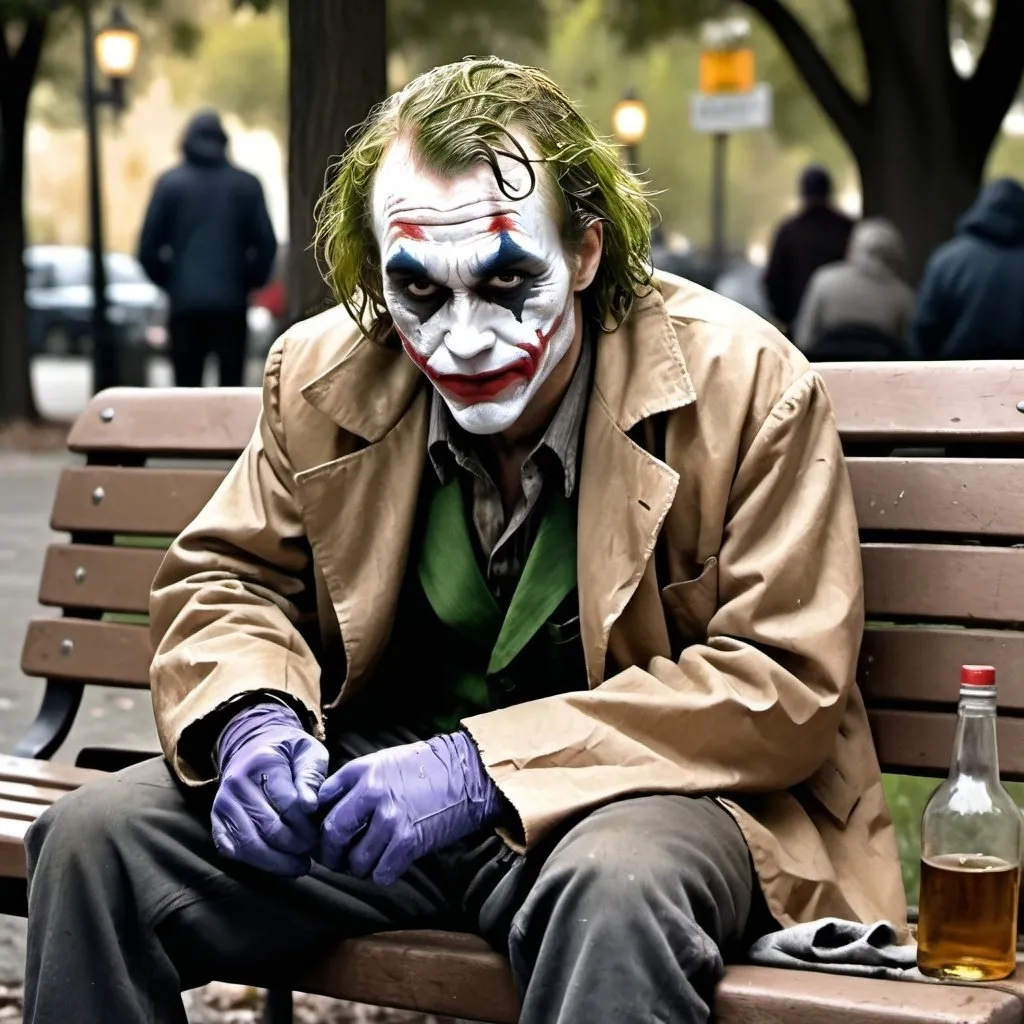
pixel 240 65
pixel 241 62
pixel 907 795
pixel 232 54
pixel 829 22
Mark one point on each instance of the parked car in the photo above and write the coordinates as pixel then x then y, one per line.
pixel 59 298
pixel 268 307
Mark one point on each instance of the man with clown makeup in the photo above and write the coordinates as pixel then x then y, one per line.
pixel 531 609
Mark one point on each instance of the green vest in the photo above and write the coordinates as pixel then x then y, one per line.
pixel 453 651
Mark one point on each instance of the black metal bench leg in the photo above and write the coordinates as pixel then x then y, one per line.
pixel 278 1007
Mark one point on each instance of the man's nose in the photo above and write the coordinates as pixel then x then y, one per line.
pixel 465 341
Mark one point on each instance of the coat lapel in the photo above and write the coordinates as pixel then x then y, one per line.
pixel 360 509
pixel 625 492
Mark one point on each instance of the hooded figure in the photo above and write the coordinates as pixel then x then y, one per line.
pixel 860 308
pixel 208 242
pixel 971 304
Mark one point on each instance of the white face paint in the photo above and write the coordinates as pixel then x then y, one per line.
pixel 479 286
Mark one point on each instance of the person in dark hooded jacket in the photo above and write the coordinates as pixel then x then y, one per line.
pixel 971 301
pixel 816 236
pixel 208 242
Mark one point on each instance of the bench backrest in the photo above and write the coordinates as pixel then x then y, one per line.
pixel 936 456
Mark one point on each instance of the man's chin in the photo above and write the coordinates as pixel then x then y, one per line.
pixel 492 416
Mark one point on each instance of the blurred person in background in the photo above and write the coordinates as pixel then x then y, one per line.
pixel 971 301
pixel 859 308
pixel 208 242
pixel 817 235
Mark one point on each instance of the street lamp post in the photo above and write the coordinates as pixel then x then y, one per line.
pixel 629 121
pixel 115 50
pixel 726 67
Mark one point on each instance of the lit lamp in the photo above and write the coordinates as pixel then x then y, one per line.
pixel 629 122
pixel 115 51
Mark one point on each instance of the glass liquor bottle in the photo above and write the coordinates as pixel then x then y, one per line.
pixel 971 835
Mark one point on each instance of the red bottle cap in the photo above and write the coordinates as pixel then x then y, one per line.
pixel 977 675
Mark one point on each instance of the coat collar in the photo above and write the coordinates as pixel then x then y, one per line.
pixel 640 372
pixel 640 367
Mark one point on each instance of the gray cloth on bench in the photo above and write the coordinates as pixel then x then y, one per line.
pixel 841 947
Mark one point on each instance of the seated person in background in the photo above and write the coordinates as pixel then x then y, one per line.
pixel 531 609
pixel 859 308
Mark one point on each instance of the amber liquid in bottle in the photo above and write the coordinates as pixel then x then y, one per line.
pixel 965 931
pixel 972 837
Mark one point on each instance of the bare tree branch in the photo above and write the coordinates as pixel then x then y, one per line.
pixel 848 115
pixel 997 77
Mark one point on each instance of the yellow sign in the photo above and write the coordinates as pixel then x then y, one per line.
pixel 727 71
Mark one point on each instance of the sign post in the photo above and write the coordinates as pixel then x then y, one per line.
pixel 730 99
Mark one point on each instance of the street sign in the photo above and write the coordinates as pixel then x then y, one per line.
pixel 727 71
pixel 732 112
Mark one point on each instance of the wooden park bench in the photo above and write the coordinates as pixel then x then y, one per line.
pixel 936 454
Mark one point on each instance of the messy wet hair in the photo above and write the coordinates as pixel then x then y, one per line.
pixel 466 113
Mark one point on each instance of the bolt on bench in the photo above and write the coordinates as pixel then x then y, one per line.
pixel 936 455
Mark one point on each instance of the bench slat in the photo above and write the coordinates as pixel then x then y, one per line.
pixel 44 773
pixel 460 975
pixel 115 499
pixel 434 972
pixel 12 847
pixel 108 653
pixel 921 664
pixel 920 742
pixel 18 810
pixel 980 497
pixel 28 793
pixel 167 421
pixel 921 401
pixel 769 995
pixel 947 582
pixel 109 578
pixel 902 402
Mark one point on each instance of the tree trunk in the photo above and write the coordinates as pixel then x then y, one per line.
pixel 338 71
pixel 919 167
pixel 922 138
pixel 17 72
pixel 902 182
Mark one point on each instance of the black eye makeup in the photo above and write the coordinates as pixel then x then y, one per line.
pixel 423 296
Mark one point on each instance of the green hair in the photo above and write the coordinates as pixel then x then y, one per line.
pixel 465 113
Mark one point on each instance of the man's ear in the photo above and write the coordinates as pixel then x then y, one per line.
pixel 589 256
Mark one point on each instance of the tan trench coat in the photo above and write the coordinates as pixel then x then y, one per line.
pixel 307 540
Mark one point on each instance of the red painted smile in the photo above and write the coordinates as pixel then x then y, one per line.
pixel 473 388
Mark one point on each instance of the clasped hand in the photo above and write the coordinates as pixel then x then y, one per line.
pixel 389 808
pixel 379 813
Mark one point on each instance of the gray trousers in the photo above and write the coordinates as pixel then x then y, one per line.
pixel 624 915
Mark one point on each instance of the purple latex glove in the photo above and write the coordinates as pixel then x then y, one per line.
pixel 271 770
pixel 389 808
